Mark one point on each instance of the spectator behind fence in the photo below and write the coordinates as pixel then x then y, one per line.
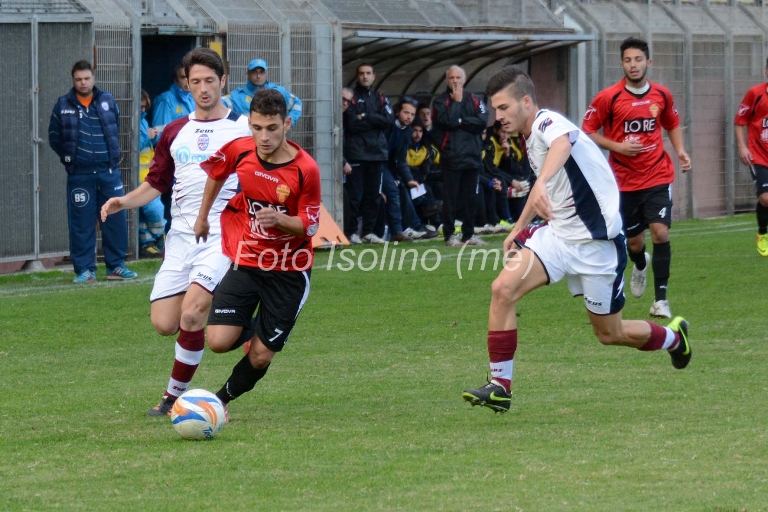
pixel 367 122
pixel 399 141
pixel 173 104
pixel 420 159
pixel 350 220
pixel 459 119
pixel 424 114
pixel 84 131
pixel 239 100
pixel 151 215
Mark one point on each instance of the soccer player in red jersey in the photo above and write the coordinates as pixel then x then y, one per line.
pixel 632 114
pixel 183 289
pixel 753 151
pixel 267 232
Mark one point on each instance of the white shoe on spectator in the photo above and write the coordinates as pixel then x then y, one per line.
pixel 371 238
pixel 500 228
pixel 484 230
pixel 454 241
pixel 476 241
pixel 457 223
pixel 413 234
pixel 660 309
pixel 430 227
pixel 355 239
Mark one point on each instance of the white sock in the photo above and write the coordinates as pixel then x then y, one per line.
pixel 669 340
pixel 502 370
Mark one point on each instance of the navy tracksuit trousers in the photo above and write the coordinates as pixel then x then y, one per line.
pixel 87 193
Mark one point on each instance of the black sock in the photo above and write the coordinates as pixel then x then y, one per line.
pixel 762 218
pixel 244 377
pixel 662 257
pixel 246 335
pixel 638 258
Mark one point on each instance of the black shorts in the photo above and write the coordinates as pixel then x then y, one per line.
pixel 642 207
pixel 278 295
pixel 760 178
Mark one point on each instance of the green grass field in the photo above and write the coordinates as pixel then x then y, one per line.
pixel 363 409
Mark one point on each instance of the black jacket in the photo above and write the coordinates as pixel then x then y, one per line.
pixel 366 139
pixel 456 129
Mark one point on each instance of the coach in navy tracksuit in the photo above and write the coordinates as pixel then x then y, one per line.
pixel 83 131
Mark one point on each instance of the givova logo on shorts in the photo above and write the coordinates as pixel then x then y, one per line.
pixel 79 197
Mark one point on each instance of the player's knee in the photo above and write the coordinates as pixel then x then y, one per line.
pixel 259 360
pixel 763 200
pixel 503 292
pixel 192 319
pixel 218 344
pixel 605 336
pixel 165 327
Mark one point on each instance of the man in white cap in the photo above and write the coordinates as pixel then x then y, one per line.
pixel 239 100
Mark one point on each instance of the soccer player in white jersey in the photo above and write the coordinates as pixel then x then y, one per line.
pixel 577 194
pixel 181 296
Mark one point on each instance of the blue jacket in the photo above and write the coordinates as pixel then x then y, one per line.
pixel 64 127
pixel 171 105
pixel 239 100
pixel 144 141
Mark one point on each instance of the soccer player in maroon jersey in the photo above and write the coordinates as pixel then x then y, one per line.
pixel 183 289
pixel 632 114
pixel 753 151
pixel 267 232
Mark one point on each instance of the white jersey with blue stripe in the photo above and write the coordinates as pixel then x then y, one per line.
pixel 583 193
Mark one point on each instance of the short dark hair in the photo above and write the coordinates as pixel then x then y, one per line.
pixel 366 65
pixel 82 65
pixel 176 69
pixel 423 105
pixel 406 100
pixel 204 57
pixel 636 43
pixel 269 102
pixel 518 82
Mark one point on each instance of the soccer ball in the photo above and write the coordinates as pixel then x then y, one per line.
pixel 198 414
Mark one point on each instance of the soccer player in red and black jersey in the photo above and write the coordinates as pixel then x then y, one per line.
pixel 752 118
pixel 267 232
pixel 632 114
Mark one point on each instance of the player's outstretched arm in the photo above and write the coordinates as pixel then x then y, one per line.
pixel 210 193
pixel 142 195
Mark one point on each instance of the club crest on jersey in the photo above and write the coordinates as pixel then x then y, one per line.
pixel 283 191
pixel 654 110
pixel 202 142
pixel 544 124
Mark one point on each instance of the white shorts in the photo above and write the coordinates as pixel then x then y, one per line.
pixel 595 269
pixel 188 262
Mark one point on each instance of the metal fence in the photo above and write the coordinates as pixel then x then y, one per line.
pixel 37 68
pixel 708 55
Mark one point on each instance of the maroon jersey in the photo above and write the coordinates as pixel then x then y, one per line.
pixel 626 116
pixel 292 188
pixel 753 113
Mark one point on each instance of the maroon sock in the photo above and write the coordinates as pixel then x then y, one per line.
pixel 189 353
pixel 656 341
pixel 501 348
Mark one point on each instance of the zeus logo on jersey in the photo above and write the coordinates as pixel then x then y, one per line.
pixel 588 114
pixel 640 125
